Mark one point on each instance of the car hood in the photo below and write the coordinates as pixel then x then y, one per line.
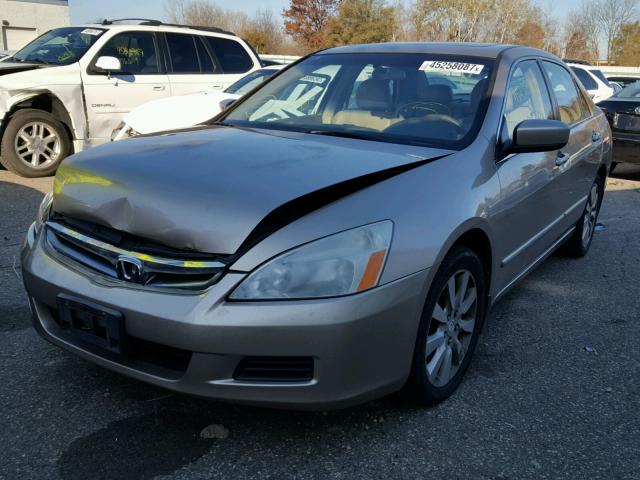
pixel 8 67
pixel 173 113
pixel 218 189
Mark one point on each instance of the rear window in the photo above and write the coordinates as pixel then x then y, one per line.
pixel 232 56
pixel 182 51
pixel 601 76
pixel 584 77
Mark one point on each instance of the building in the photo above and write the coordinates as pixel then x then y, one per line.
pixel 23 20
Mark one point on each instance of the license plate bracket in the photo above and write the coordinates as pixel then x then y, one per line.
pixel 92 323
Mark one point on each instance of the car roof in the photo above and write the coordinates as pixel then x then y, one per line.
pixel 164 27
pixel 486 50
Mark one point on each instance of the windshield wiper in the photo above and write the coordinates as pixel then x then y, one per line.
pixel 340 133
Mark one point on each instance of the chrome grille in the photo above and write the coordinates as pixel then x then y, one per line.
pixel 131 266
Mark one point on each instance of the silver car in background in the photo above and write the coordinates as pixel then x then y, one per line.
pixel 336 236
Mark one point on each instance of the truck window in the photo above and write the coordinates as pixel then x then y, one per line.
pixel 232 56
pixel 182 53
pixel 136 51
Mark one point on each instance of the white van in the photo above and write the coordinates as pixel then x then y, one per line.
pixel 68 89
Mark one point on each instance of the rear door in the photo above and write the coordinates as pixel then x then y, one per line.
pixel 580 159
pixel 201 63
pixel 192 67
pixel 143 78
pixel 528 220
pixel 233 58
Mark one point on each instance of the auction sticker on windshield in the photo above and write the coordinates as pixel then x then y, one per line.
pixel 454 67
pixel 91 31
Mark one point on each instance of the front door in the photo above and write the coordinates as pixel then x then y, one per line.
pixel 142 79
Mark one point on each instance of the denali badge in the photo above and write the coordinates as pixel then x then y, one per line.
pixel 129 269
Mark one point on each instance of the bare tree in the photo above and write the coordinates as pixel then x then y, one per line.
pixel 611 15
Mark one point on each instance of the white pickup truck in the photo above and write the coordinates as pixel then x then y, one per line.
pixel 68 89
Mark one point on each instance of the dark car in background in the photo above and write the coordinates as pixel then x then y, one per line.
pixel 623 81
pixel 623 112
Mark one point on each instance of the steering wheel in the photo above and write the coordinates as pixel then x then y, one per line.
pixel 434 121
pixel 418 109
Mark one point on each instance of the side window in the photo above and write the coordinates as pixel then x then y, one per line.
pixel 586 80
pixel 232 56
pixel 206 62
pixel 182 53
pixel 570 101
pixel 526 97
pixel 136 51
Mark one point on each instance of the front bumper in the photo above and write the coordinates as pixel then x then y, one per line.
pixel 361 345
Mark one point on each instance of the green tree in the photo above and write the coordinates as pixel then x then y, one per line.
pixel 626 45
pixel 361 21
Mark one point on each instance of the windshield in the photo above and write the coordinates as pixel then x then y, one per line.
pixel 632 91
pixel 418 99
pixel 249 82
pixel 60 46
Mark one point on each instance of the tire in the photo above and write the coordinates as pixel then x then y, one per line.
pixel 34 143
pixel 580 241
pixel 428 383
pixel 614 165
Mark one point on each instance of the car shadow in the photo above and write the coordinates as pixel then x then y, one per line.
pixel 627 171
pixel 19 206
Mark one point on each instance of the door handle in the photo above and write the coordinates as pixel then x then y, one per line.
pixel 562 158
pixel 596 137
pixel 216 86
pixel 159 88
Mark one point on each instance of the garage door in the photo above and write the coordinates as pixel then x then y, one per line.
pixel 18 37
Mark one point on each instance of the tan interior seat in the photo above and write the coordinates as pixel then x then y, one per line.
pixel 374 104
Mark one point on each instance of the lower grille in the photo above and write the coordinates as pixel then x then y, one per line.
pixel 155 358
pixel 275 369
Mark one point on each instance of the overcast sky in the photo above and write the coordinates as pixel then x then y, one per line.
pixel 83 11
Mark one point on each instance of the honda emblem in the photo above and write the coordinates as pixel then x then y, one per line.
pixel 129 269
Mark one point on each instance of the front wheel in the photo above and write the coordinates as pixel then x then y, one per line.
pixel 451 322
pixel 34 143
pixel 578 244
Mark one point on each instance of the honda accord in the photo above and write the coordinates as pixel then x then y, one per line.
pixel 335 236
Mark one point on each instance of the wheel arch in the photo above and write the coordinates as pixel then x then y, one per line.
pixel 474 234
pixel 47 102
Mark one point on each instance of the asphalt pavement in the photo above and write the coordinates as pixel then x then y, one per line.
pixel 553 391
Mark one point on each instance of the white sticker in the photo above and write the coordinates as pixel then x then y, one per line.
pixel 313 79
pixel 91 31
pixel 455 67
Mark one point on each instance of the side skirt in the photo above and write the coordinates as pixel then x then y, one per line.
pixel 538 260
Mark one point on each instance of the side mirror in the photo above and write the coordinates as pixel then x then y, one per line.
pixel 226 103
pixel 109 64
pixel 538 136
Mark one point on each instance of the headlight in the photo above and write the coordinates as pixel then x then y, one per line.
pixel 43 210
pixel 347 262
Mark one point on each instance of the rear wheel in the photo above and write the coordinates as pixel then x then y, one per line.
pixel 34 143
pixel 579 243
pixel 452 319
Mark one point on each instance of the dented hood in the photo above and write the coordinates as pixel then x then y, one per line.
pixel 213 190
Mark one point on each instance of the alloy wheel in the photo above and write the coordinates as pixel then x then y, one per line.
pixel 590 215
pixel 38 145
pixel 452 325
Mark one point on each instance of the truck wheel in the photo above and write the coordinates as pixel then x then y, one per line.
pixel 34 144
